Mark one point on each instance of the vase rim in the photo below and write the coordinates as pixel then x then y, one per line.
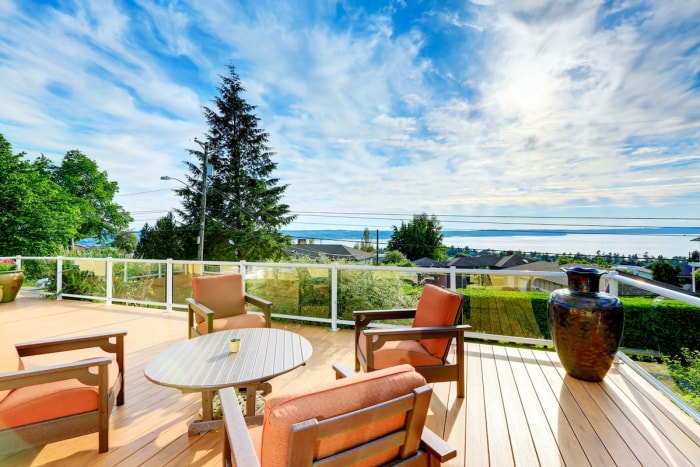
pixel 582 270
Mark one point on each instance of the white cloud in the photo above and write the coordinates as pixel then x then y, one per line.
pixel 517 107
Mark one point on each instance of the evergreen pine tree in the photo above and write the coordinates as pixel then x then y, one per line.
pixel 244 212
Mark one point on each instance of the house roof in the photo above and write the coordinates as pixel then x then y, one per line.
pixel 426 263
pixel 485 261
pixel 465 262
pixel 333 252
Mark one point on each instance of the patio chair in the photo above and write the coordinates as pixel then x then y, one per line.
pixel 41 405
pixel 371 418
pixel 220 302
pixel 425 345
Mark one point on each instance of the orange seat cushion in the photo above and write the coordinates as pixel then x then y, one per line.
pixel 437 307
pixel 400 352
pixel 330 400
pixel 223 294
pixel 248 320
pixel 31 404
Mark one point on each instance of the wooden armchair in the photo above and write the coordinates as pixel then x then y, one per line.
pixel 51 403
pixel 372 418
pixel 219 302
pixel 425 345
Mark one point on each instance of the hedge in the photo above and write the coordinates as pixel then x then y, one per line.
pixel 658 324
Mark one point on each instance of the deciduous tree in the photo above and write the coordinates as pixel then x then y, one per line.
pixel 664 271
pixel 37 216
pixel 93 192
pixel 419 238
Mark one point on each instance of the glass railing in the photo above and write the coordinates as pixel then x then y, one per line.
pixel 501 305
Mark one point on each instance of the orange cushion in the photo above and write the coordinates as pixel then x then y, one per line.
pixel 248 320
pixel 400 352
pixel 437 307
pixel 9 359
pixel 223 294
pixel 333 399
pixel 31 404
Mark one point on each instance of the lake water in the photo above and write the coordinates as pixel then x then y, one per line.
pixel 667 246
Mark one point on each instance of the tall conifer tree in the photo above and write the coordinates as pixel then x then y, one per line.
pixel 244 209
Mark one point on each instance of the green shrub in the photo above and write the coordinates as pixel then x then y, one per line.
pixel 659 324
pixel 685 372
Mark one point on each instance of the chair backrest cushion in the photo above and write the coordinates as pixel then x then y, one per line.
pixel 437 307
pixel 9 359
pixel 223 294
pixel 333 399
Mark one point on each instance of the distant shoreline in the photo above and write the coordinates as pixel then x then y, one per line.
pixel 356 235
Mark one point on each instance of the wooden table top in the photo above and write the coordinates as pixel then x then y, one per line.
pixel 205 363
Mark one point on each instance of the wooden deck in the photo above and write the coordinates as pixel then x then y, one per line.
pixel 519 408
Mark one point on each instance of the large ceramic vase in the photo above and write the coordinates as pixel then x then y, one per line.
pixel 11 282
pixel 586 325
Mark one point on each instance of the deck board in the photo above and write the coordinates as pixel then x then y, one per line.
pixel 520 407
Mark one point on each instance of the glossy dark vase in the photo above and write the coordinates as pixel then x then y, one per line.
pixel 586 325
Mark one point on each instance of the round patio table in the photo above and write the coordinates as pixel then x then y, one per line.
pixel 205 364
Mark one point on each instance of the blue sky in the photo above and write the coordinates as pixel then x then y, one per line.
pixel 390 108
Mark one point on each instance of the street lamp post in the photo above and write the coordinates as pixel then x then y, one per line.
pixel 202 215
pixel 203 210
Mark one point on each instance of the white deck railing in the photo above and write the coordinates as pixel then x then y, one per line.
pixel 165 271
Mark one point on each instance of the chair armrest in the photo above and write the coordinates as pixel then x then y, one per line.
pixel 438 448
pixel 52 373
pixel 237 444
pixel 200 309
pixel 63 344
pixel 376 315
pixel 433 332
pixel 343 371
pixel 264 305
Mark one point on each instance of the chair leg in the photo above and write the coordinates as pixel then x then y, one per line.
pixel 461 368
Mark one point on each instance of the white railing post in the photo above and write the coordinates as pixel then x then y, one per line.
pixel 18 261
pixel 109 271
pixel 59 277
pixel 334 297
pixel 453 278
pixel 169 281
pixel 612 281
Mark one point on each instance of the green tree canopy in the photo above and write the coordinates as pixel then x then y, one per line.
pixel 244 211
pixel 164 240
pixel 396 258
pixel 419 238
pixel 366 242
pixel 44 206
pixel 125 241
pixel 664 271
pixel 93 193
pixel 37 216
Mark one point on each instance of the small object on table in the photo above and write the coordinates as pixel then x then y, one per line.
pixel 234 345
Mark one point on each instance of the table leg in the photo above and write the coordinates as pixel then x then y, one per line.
pixel 197 427
pixel 250 396
pixel 207 405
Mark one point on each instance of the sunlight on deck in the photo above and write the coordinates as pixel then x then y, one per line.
pixel 519 408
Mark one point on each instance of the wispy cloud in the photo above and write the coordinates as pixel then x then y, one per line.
pixel 494 107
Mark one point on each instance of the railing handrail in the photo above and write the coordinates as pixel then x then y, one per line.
pixel 334 268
